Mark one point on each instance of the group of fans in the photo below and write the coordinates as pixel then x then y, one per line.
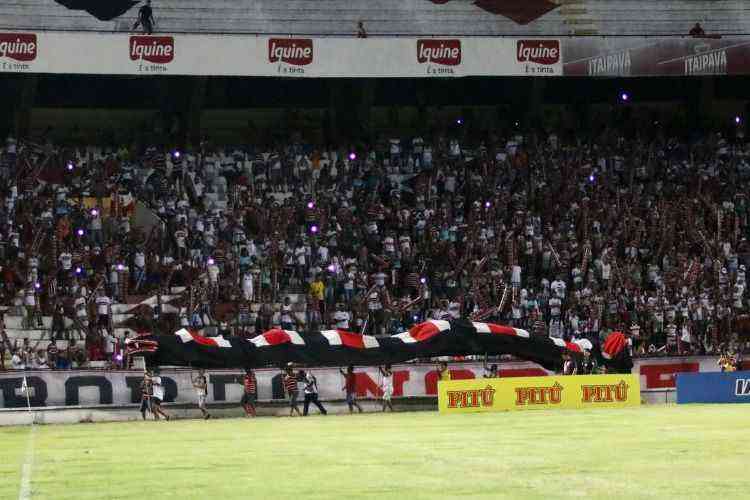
pixel 152 390
pixel 564 237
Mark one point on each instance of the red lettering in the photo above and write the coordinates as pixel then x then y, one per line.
pixel 588 393
pixel 431 379
pixel 366 385
pixel 399 379
pixel 523 372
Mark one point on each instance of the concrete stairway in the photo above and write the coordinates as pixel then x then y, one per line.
pixel 416 17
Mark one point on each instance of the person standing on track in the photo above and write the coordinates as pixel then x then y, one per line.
pixel 250 397
pixel 311 394
pixel 146 389
pixel 292 390
pixel 350 386
pixel 387 386
pixel 201 388
pixel 157 397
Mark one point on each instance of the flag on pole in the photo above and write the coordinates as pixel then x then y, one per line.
pixel 25 389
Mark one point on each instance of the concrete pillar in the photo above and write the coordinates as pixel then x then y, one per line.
pixel 27 87
pixel 535 113
pixel 195 110
pixel 706 94
pixel 349 109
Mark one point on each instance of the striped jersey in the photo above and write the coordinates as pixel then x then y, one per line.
pixel 290 384
pixel 251 385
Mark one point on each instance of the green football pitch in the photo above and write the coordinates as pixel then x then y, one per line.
pixel 648 452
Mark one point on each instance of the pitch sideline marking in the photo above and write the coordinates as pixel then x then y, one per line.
pixel 28 463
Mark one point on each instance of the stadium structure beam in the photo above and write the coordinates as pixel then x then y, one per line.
pixel 28 85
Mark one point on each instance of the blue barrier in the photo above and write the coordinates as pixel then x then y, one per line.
pixel 715 387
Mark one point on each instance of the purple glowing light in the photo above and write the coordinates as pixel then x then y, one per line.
pixel 423 280
pixel 211 261
pixel 331 268
pixel 624 96
pixel 79 270
pixel 79 232
pixel 737 120
pixel 95 212
pixel 314 229
pixel 176 154
pixel 120 267
pixel 487 204
pixel 70 165
pixel 310 204
pixel 352 156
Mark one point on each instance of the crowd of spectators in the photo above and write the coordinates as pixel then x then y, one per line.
pixel 550 233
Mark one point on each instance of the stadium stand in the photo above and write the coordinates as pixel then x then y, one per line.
pixel 385 17
pixel 644 237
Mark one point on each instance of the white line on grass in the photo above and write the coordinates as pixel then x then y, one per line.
pixel 28 463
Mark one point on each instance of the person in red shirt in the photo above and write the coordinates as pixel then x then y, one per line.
pixel 250 397
pixel 292 390
pixel 350 386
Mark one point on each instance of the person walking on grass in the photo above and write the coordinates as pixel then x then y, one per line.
pixel 387 386
pixel 146 391
pixel 311 394
pixel 350 386
pixel 250 397
pixel 157 397
pixel 201 389
pixel 291 387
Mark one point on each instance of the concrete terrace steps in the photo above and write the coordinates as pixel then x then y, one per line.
pixel 14 325
pixel 416 17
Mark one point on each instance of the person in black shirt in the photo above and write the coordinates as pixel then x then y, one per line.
pixel 52 352
pixel 146 392
pixel 145 18
pixel 697 31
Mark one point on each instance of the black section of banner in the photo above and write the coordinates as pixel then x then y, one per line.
pixel 103 10
pixel 461 339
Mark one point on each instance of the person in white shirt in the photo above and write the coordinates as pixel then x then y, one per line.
pixel 17 362
pixel 341 317
pixel 66 260
pixel 387 386
pixel 213 272
pixel 200 384
pixel 287 322
pixel 103 304
pixel 247 286
pixel 380 278
pixel 158 396
pixel 558 287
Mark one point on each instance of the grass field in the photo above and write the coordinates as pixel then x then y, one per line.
pixel 649 452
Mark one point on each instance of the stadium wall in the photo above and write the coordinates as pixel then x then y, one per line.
pixel 97 387
pixel 387 17
pixel 408 57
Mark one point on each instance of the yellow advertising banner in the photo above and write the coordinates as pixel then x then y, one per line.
pixel 537 393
